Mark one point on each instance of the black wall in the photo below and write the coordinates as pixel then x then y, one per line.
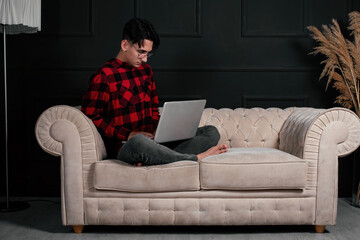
pixel 249 53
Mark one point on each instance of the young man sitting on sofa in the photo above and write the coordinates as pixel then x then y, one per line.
pixel 122 102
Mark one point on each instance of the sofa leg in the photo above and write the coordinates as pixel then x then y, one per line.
pixel 320 228
pixel 78 228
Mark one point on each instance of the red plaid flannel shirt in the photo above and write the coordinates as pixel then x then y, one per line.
pixel 121 99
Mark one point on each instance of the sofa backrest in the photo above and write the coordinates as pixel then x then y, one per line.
pixel 242 127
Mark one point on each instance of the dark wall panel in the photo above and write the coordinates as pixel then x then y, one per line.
pixel 242 88
pixel 173 18
pixel 249 53
pixel 63 18
pixel 259 18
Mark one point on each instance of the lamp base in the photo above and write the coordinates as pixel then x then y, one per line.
pixel 13 206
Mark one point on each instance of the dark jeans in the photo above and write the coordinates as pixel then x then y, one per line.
pixel 141 149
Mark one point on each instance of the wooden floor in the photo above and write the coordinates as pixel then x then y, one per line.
pixel 43 221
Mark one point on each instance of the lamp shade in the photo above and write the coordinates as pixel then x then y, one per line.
pixel 20 16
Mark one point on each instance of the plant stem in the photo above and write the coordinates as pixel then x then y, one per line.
pixel 347 85
pixel 356 103
pixel 357 196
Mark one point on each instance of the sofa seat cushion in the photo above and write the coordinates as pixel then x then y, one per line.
pixel 119 176
pixel 253 169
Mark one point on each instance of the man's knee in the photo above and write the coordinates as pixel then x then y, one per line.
pixel 132 145
pixel 137 139
pixel 211 132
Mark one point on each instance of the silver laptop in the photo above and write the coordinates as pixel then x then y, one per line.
pixel 179 120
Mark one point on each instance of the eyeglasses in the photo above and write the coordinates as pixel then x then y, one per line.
pixel 142 53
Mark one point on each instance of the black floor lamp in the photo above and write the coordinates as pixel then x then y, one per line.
pixel 16 16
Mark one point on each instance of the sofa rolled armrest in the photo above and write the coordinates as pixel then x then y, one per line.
pixel 51 130
pixel 65 131
pixel 304 127
pixel 321 136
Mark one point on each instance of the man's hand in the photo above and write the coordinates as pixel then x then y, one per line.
pixel 133 133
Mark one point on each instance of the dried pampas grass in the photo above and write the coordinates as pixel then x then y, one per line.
pixel 342 62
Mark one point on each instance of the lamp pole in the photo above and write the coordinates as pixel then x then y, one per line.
pixel 14 206
pixel 20 16
pixel 6 125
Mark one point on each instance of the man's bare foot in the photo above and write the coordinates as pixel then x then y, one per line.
pixel 213 151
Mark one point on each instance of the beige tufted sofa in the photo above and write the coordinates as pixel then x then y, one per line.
pixel 281 169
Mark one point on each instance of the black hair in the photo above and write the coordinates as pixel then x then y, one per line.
pixel 137 30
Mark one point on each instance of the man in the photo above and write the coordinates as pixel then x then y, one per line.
pixel 122 102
